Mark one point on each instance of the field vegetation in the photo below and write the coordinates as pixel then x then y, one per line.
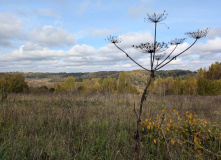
pixel 71 126
pixel 96 118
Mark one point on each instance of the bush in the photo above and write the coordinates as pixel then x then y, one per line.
pixel 184 136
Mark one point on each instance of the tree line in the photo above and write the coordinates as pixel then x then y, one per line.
pixel 204 82
pixel 98 85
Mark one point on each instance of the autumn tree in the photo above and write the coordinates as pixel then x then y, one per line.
pixel 209 81
pixel 190 86
pixel 124 82
pixel 87 85
pixel 168 82
pixel 17 82
pixel 201 73
pixel 12 83
pixel 108 85
pixel 177 86
pixel 96 87
pixel 59 88
pixel 69 84
pixel 81 89
pixel 5 89
pixel 214 72
pixel 157 59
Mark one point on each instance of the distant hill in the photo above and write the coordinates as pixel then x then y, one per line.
pixel 54 77
pixel 137 77
pixel 103 74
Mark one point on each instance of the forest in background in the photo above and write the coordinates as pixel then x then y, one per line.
pixel 175 82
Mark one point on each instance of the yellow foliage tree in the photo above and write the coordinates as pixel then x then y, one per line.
pixel 69 84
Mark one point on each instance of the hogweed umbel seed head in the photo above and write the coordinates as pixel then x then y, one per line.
pixel 198 34
pixel 150 47
pixel 113 39
pixel 177 41
pixel 155 18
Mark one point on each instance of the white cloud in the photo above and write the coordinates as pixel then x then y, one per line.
pixel 50 36
pixel 212 46
pixel 84 6
pixel 10 28
pixel 85 58
pixel 135 38
pixel 139 11
pixel 61 3
pixel 100 32
pixel 214 32
pixel 88 4
pixel 148 1
pixel 49 12
pixel 29 46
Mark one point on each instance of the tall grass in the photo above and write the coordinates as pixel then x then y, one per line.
pixel 65 126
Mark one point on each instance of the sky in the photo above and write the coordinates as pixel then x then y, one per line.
pixel 69 35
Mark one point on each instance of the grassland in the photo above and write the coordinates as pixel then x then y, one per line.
pixel 66 126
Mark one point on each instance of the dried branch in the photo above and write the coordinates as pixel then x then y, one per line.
pixel 131 58
pixel 138 132
pixel 150 47
pixel 166 57
pixel 168 149
pixel 135 111
pixel 198 34
pixel 173 42
pixel 159 57
pixel 153 49
pixel 206 150
pixel 155 18
pixel 114 40
pixel 176 56
pixel 177 41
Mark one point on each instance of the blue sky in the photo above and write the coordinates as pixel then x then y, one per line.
pixel 69 35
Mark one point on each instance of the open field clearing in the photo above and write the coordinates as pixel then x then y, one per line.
pixel 65 126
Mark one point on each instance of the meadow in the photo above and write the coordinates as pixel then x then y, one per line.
pixel 102 126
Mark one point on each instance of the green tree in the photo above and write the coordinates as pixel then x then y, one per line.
pixel 201 73
pixel 18 83
pixel 214 72
pixel 217 87
pixel 205 86
pixel 69 84
pixel 81 89
pixel 5 88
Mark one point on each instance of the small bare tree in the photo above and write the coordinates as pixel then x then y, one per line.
pixel 157 60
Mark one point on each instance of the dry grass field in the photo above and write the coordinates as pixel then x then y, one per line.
pixel 66 126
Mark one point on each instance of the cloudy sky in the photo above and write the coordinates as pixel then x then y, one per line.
pixel 69 35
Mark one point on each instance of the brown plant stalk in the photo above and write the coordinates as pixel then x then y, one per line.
pixel 153 49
